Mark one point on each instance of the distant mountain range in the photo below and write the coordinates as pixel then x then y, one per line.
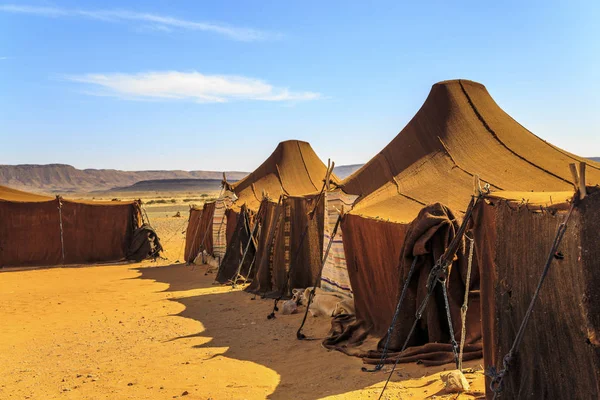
pixel 62 178
pixel 66 178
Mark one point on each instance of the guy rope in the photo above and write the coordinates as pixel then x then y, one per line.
pixel 438 274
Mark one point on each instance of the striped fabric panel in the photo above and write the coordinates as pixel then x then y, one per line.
pixel 220 224
pixel 286 236
pixel 335 273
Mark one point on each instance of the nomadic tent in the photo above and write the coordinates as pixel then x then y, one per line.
pixel 514 234
pixel 293 169
pixel 41 231
pixel 284 198
pixel 411 198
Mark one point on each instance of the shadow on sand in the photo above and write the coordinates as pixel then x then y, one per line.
pixel 234 320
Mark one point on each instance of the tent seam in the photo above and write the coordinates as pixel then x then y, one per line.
pixel 306 167
pixel 461 168
pixel 495 136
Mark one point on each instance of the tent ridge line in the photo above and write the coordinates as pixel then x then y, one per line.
pixel 461 168
pixel 495 136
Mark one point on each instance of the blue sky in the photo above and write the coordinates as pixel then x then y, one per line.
pixel 215 85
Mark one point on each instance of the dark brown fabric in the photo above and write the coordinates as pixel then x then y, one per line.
pixel 92 232
pixel 297 247
pixel 96 233
pixel 261 279
pixel 232 221
pixel 236 247
pixel 199 234
pixel 372 250
pixel 29 234
pixel 144 244
pixel 192 243
pixel 427 237
pixel 559 356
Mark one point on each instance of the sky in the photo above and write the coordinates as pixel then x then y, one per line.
pixel 184 84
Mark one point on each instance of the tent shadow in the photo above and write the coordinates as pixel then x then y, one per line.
pixel 233 320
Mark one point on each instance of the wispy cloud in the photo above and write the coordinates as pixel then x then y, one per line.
pixel 4 58
pixel 160 22
pixel 187 86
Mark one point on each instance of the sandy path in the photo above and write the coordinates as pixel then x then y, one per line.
pixel 148 332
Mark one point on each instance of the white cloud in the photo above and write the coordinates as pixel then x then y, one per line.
pixel 188 86
pixel 165 23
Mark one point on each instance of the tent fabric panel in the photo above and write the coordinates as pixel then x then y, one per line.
pixel 513 245
pixel 297 246
pixel 29 234
pixel 334 276
pixel 219 226
pixel 95 233
pixel 192 241
pixel 261 278
pixel 372 250
pixel 235 250
pixel 232 219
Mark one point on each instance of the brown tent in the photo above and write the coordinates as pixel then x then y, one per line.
pixel 514 233
pixel 40 231
pixel 412 197
pixel 289 255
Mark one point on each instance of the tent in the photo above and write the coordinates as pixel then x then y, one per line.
pixel 284 196
pixel 514 233
pixel 411 198
pixel 293 169
pixel 41 231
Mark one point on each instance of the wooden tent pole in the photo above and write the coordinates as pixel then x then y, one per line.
pixel 574 175
pixel 582 190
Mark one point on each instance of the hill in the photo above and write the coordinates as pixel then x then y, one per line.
pixel 173 185
pixel 66 178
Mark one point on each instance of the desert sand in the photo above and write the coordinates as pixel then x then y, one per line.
pixel 163 330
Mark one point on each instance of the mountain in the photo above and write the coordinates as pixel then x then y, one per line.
pixel 346 170
pixel 597 159
pixel 65 178
pixel 174 185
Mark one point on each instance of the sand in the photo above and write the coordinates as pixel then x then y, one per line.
pixel 162 330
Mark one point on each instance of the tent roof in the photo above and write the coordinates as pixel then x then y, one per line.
pixel 293 169
pixel 459 131
pixel 10 194
pixel 18 196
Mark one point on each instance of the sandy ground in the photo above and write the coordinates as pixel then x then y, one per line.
pixel 162 330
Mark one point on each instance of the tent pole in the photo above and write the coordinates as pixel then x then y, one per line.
pixel 250 241
pixel 60 221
